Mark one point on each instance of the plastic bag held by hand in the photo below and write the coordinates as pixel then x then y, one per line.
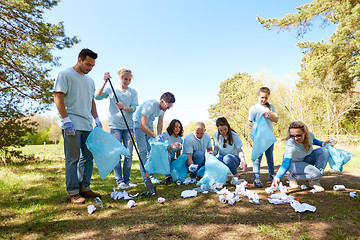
pixel 158 161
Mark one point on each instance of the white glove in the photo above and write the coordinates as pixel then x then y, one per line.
pixel 193 167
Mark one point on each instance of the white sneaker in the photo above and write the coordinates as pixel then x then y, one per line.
pixel 316 185
pixel 236 181
pixel 292 182
pixel 123 186
pixel 131 185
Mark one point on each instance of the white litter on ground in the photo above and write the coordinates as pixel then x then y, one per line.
pixel 91 209
pixel 131 203
pixel 188 193
pixel 313 191
pixel 161 200
pixel 303 187
pixel 302 207
pixel 118 195
pixel 353 194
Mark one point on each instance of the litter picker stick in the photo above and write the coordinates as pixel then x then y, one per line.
pixel 149 185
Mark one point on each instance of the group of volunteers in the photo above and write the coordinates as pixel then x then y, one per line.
pixel 74 94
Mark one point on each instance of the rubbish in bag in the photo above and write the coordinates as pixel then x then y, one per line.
pixel 214 170
pixel 158 162
pixel 338 158
pixel 262 137
pixel 178 169
pixel 106 150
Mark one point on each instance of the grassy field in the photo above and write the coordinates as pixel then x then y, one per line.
pixel 34 205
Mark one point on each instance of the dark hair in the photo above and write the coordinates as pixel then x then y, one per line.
pixel 264 90
pixel 171 127
pixel 221 121
pixel 87 52
pixel 168 97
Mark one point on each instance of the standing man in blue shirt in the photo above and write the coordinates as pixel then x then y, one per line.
pixel 74 98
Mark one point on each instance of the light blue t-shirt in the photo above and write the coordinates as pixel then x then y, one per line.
pixel 258 109
pixel 128 97
pixel 79 92
pixel 296 151
pixel 172 140
pixel 149 109
pixel 193 144
pixel 218 142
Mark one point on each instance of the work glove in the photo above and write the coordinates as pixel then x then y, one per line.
pixel 68 126
pixel 98 122
pixel 193 167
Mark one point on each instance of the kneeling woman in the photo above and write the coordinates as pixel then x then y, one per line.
pixel 228 144
pixel 300 159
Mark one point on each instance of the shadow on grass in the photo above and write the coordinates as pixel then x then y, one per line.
pixel 46 212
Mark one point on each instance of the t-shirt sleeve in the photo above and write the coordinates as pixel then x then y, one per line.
pixel 61 84
pixel 188 146
pixel 237 141
pixel 273 110
pixel 252 114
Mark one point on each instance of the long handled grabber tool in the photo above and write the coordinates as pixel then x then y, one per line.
pixel 149 185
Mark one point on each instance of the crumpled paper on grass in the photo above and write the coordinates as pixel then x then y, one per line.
pixel 241 189
pixel 118 195
pixel 353 194
pixel 302 207
pixel 188 193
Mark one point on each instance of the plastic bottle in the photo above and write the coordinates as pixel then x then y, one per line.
pixel 99 203
pixel 222 199
pixel 339 187
pixel 178 182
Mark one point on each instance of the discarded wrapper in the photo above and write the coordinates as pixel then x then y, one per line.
pixel 161 200
pixel 353 194
pixel 91 209
pixel 130 203
pixel 339 188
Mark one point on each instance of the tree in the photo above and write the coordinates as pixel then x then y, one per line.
pixel 236 96
pixel 26 42
pixel 330 69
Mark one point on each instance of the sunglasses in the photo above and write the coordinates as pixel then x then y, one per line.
pixel 224 145
pixel 296 136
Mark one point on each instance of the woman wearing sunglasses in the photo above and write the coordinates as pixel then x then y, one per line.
pixel 227 144
pixel 300 158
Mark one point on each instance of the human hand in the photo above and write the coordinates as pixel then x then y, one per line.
pixel 243 165
pixel 98 122
pixel 69 128
pixel 193 167
pixel 266 114
pixel 120 105
pixel 331 141
pixel 176 145
pixel 275 183
pixel 106 77
pixel 158 138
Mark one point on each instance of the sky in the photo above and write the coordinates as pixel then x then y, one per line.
pixel 186 47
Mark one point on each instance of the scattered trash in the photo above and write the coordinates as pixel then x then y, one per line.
pixel 161 200
pixel 353 194
pixel 339 188
pixel 188 193
pixel 222 199
pixel 131 203
pixel 303 187
pixel 279 198
pixel 178 182
pixel 313 191
pixel 241 189
pixel 187 180
pixel 99 203
pixel 117 195
pixel 91 209
pixel 302 207
pixel 269 190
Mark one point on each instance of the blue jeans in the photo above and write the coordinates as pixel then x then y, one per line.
pixel 313 166
pixel 199 159
pixel 231 161
pixel 124 137
pixel 78 162
pixel 270 162
pixel 142 142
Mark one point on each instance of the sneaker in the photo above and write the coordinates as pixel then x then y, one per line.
pixel 316 185
pixel 155 180
pixel 292 182
pixel 131 185
pixel 77 198
pixel 90 194
pixel 168 180
pixel 236 181
pixel 123 186
pixel 258 183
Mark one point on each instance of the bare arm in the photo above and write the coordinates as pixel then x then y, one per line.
pixel 189 158
pixel 160 125
pixel 145 128
pixel 101 89
pixel 273 117
pixel 60 104
pixel 93 109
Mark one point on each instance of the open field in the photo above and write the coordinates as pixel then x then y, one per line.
pixel 33 205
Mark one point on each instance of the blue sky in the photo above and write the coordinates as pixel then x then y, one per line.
pixel 186 47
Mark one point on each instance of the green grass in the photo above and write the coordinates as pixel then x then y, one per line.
pixel 33 205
